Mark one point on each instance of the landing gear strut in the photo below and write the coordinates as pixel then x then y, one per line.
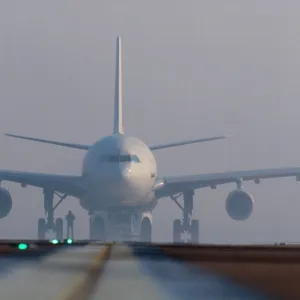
pixel 48 223
pixel 97 228
pixel 121 224
pixel 146 230
pixel 186 224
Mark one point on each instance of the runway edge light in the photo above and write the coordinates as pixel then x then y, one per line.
pixel 22 246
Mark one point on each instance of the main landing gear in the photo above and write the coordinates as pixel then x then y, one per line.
pixel 186 224
pixel 48 223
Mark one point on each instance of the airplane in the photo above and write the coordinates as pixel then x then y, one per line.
pixel 119 185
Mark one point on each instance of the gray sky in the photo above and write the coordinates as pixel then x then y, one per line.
pixel 191 69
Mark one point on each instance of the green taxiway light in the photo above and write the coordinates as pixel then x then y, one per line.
pixel 55 241
pixel 69 241
pixel 22 246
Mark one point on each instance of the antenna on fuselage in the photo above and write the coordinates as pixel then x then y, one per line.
pixel 118 109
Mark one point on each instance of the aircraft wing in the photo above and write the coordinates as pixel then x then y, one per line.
pixel 71 185
pixel 186 142
pixel 64 144
pixel 87 147
pixel 177 184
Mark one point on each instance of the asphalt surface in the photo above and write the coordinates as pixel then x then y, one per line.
pixel 130 273
pixel 47 278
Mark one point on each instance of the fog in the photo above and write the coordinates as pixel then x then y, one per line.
pixel 191 69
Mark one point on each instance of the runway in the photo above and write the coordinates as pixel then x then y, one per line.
pixel 113 271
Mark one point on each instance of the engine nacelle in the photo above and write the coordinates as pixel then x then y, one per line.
pixel 5 203
pixel 239 205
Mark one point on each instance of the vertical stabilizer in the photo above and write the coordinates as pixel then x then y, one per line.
pixel 118 109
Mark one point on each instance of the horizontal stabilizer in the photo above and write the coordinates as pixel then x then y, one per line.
pixel 163 146
pixel 69 145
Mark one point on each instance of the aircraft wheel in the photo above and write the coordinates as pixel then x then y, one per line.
pixel 177 231
pixel 42 229
pixel 146 231
pixel 59 229
pixel 195 231
pixel 97 229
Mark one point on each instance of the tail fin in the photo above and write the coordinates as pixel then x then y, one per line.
pixel 118 109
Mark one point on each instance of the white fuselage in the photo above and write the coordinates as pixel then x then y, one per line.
pixel 120 171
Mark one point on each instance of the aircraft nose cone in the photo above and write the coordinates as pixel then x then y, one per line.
pixel 126 173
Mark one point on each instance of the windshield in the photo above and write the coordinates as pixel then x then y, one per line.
pixel 120 158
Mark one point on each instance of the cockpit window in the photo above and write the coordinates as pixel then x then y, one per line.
pixel 125 158
pixel 120 158
pixel 135 159
pixel 113 158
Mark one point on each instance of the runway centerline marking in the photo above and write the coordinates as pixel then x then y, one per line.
pixel 84 286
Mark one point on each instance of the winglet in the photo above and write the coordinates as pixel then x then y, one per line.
pixel 118 109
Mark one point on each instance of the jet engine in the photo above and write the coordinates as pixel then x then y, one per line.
pixel 5 203
pixel 239 205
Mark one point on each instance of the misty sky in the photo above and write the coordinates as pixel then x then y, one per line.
pixel 191 69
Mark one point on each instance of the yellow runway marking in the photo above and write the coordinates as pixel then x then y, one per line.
pixel 83 287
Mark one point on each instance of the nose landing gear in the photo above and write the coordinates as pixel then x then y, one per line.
pixel 121 225
pixel 97 228
pixel 146 230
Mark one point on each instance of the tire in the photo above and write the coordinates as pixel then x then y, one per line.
pixel 195 232
pixel 59 229
pixel 41 229
pixel 177 231
pixel 97 229
pixel 146 231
